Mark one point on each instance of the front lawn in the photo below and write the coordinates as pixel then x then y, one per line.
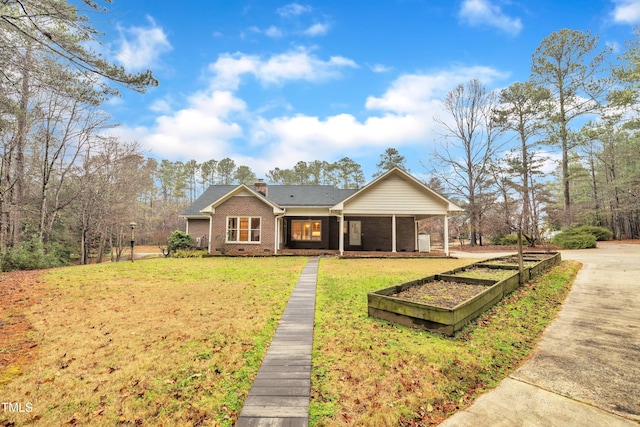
pixel 157 342
pixel 368 372
pixel 179 341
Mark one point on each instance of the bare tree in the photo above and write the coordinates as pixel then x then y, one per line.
pixel 65 123
pixel 465 156
pixel 114 176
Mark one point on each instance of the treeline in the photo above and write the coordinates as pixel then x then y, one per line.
pixel 68 191
pixel 64 187
pixel 580 106
pixel 184 181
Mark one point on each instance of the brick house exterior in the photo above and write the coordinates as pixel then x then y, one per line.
pixel 381 216
pixel 244 206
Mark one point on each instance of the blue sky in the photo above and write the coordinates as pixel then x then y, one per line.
pixel 269 83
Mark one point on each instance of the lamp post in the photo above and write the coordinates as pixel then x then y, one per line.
pixel 133 227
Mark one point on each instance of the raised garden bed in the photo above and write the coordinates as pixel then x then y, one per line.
pixel 510 261
pixel 446 302
pixel 480 272
pixel 443 293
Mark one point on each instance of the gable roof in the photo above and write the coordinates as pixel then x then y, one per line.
pixel 420 189
pixel 279 196
pixel 325 196
pixel 240 190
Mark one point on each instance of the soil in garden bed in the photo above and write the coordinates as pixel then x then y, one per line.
pixel 510 261
pixel 441 293
pixel 486 273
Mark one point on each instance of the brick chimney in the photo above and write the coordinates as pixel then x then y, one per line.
pixel 261 187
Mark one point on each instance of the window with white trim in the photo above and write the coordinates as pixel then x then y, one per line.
pixel 243 229
pixel 310 230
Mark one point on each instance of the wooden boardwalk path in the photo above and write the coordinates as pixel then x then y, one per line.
pixel 280 393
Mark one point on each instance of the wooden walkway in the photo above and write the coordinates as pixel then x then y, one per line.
pixel 280 393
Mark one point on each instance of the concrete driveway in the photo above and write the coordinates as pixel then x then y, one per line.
pixel 586 369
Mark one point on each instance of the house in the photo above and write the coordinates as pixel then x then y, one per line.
pixel 265 219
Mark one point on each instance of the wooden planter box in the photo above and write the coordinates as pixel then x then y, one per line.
pixel 383 304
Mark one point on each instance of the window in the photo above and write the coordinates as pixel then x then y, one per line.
pixel 306 230
pixel 243 229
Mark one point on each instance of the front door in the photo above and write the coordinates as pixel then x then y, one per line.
pixel 355 233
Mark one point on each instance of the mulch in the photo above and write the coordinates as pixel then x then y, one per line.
pixel 19 290
pixel 441 293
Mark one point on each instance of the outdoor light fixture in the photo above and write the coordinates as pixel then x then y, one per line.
pixel 133 238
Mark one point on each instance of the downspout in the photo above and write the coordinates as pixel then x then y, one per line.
pixel 446 235
pixel 210 233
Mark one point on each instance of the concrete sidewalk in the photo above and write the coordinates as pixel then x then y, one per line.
pixel 280 393
pixel 586 369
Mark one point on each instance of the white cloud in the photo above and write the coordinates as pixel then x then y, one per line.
pixel 160 106
pixel 204 130
pixel 482 12
pixel 140 47
pixel 293 9
pixel 274 32
pixel 317 30
pixel 336 134
pixel 416 92
pixel 214 121
pixel 380 68
pixel 626 11
pixel 298 64
pixel 407 110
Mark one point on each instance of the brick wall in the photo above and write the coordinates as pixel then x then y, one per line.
pixel 405 234
pixel 243 206
pixel 376 234
pixel 199 228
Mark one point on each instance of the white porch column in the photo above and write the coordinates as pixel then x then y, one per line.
pixel 341 234
pixel 415 236
pixel 276 242
pixel 393 233
pixel 446 235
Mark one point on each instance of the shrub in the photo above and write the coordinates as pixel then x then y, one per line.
pixel 179 240
pixel 571 239
pixel 600 233
pixel 190 253
pixel 509 239
pixel 31 255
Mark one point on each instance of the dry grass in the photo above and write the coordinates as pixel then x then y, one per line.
pixel 179 341
pixel 368 372
pixel 158 342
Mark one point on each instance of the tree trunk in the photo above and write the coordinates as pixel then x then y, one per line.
pixel 20 144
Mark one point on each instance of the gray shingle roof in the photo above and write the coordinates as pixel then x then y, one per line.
pixel 281 195
pixel 307 195
pixel 210 195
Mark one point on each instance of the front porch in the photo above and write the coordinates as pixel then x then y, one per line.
pixel 438 253
pixel 358 236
